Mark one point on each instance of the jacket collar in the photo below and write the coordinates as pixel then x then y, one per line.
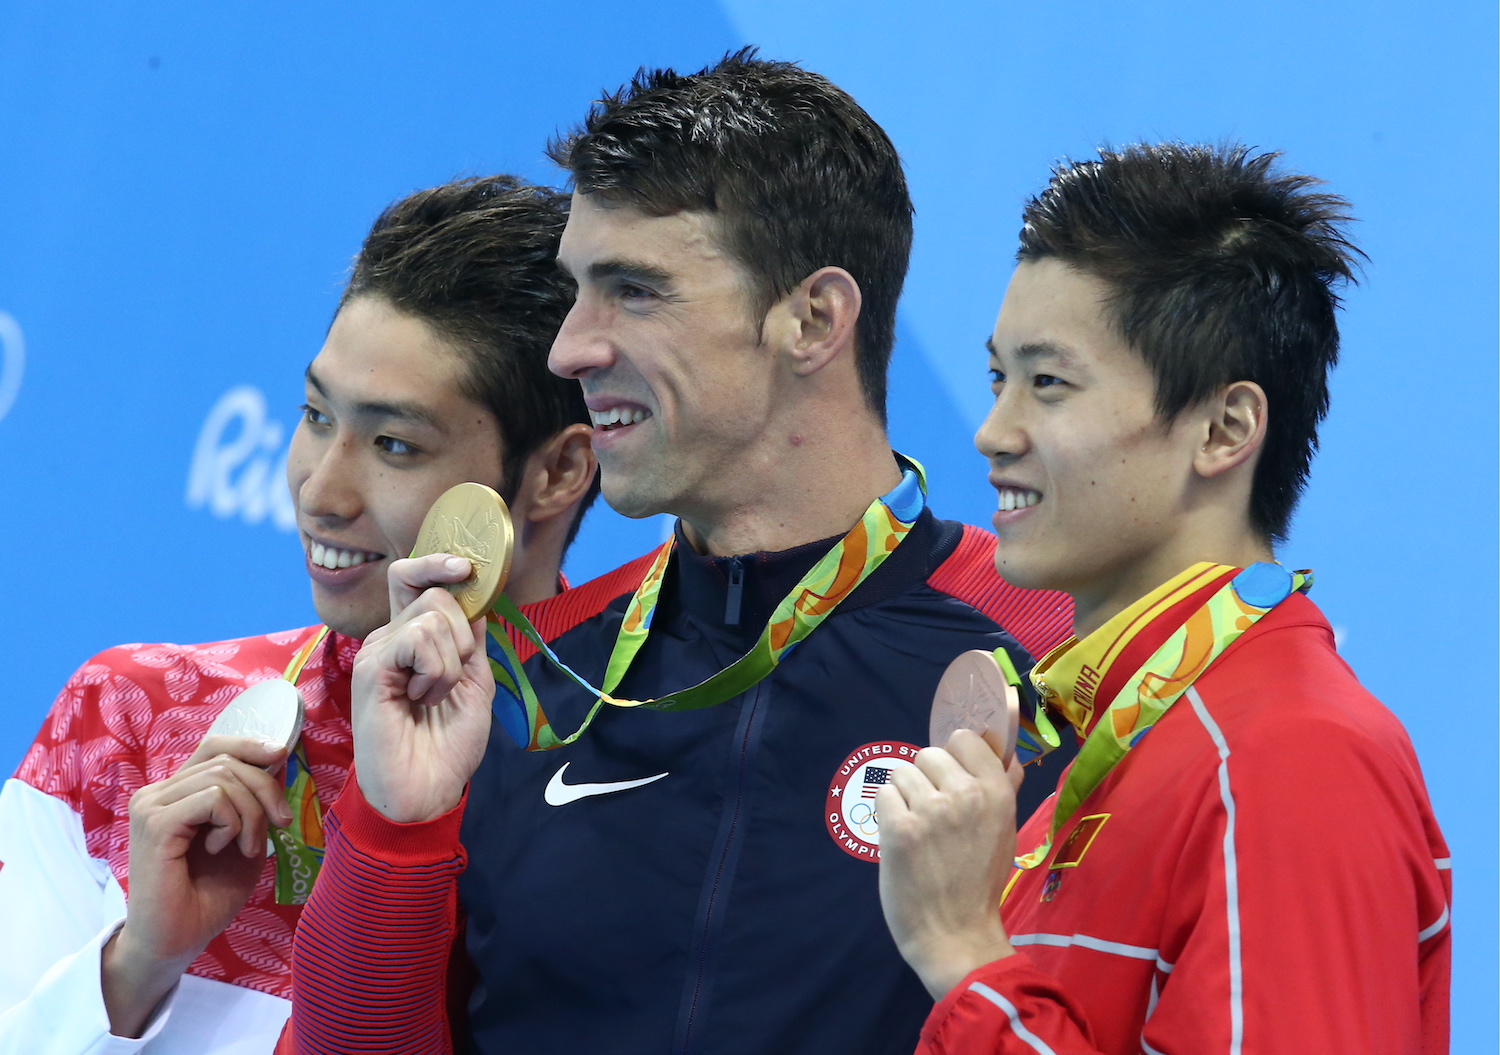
pixel 699 585
pixel 703 588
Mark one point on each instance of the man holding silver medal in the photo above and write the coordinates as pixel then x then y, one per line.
pixel 433 373
pixel 668 845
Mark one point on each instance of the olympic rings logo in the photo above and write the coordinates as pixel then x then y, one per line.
pixel 863 816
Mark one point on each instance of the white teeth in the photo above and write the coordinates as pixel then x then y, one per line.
pixel 328 557
pixel 618 416
pixel 1012 498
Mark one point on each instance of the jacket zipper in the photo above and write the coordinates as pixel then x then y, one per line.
pixel 711 917
pixel 736 592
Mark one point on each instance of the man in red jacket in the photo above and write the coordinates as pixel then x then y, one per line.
pixel 433 373
pixel 1243 857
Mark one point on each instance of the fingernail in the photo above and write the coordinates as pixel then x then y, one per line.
pixel 272 745
pixel 456 564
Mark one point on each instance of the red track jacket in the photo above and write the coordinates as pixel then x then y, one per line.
pixel 1262 874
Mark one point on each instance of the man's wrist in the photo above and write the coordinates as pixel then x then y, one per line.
pixel 399 809
pixel 418 844
pixel 946 963
pixel 133 984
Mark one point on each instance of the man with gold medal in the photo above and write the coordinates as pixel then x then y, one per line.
pixel 664 838
pixel 1242 858
pixel 433 374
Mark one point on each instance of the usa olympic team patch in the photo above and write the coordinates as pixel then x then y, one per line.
pixel 850 811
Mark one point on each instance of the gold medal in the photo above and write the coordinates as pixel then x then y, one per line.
pixel 973 694
pixel 270 711
pixel 472 522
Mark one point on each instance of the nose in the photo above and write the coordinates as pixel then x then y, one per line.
pixel 582 345
pixel 1002 438
pixel 321 474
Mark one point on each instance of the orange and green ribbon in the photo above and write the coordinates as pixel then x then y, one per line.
pixel 1067 677
pixel 840 571
pixel 299 847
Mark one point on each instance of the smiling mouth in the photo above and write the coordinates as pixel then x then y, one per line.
pixel 1012 498
pixel 333 558
pixel 618 417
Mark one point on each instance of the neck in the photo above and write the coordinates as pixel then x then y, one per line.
pixel 537 561
pixel 813 482
pixel 1102 600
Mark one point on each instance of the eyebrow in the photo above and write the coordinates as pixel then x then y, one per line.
pixel 630 270
pixel 1031 351
pixel 380 408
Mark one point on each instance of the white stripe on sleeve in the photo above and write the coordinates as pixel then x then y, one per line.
pixel 1034 1042
pixel 1434 930
pixel 1085 941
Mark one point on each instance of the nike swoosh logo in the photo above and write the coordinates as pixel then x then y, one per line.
pixel 560 794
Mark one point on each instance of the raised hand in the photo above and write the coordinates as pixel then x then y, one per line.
pixel 947 843
pixel 197 849
pixel 422 692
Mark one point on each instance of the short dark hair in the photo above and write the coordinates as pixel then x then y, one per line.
pixel 797 174
pixel 475 259
pixel 1223 269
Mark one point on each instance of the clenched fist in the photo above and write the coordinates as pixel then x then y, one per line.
pixel 422 693
pixel 197 849
pixel 947 846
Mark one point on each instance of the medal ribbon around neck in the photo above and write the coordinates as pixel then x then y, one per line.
pixel 856 556
pixel 299 848
pixel 1162 680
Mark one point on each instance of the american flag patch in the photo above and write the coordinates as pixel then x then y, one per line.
pixel 874 777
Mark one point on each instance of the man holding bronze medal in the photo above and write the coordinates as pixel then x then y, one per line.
pixel 1243 856
pixel 669 844
pixel 433 374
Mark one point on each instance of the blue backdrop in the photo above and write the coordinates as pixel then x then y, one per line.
pixel 182 186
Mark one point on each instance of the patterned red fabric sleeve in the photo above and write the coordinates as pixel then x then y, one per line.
pixel 371 956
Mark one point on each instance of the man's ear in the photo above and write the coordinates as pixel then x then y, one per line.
pixel 1236 429
pixel 558 474
pixel 817 320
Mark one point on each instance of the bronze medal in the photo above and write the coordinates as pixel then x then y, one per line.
pixel 472 522
pixel 973 694
pixel 269 711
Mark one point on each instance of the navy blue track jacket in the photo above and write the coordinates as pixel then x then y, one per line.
pixel 687 882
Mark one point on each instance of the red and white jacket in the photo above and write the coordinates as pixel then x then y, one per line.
pixel 1261 874
pixel 130 717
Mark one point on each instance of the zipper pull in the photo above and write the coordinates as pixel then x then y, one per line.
pixel 736 592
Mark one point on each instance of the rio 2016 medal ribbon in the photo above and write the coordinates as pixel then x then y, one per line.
pixel 471 521
pixel 1239 599
pixel 270 711
pixel 978 692
pixel 850 562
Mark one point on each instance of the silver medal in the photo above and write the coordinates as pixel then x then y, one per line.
pixel 270 711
